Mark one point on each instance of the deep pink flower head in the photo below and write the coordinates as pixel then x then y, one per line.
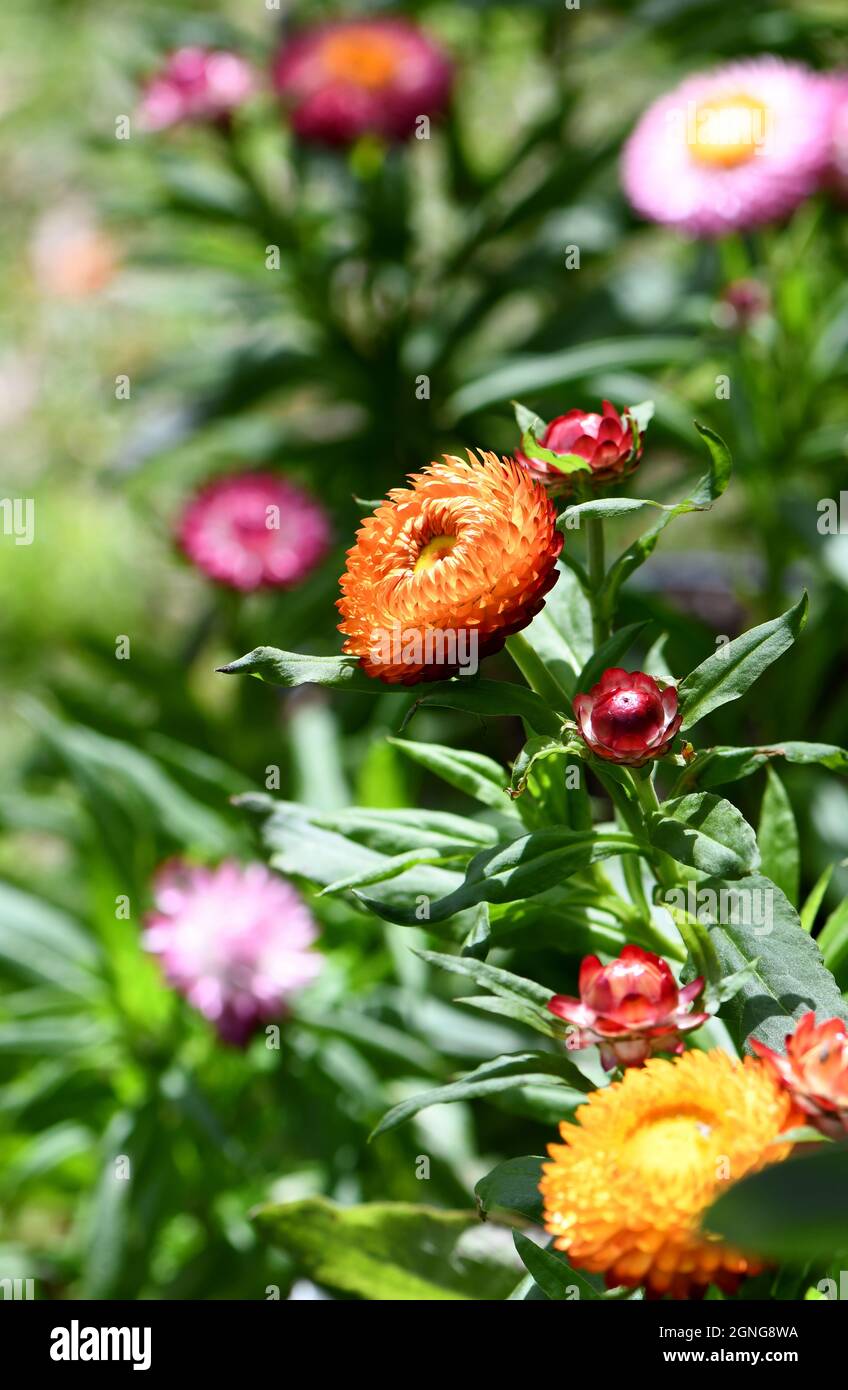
pixel 837 173
pixel 627 718
pixel 254 530
pixel 632 1008
pixel 196 84
pixel 815 1070
pixel 605 441
pixel 732 148
pixel 348 78
pixel 236 941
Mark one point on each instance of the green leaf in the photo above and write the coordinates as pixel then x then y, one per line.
pixel 487 697
pixel 492 977
pixel 474 773
pixel 561 634
pixel 751 921
pixel 388 1251
pixel 515 1009
pixel 292 668
pixel 610 654
pixel 520 869
pixel 730 671
pixel 777 837
pixel 501 1074
pixel 394 866
pixel 810 910
pixel 552 1272
pixel 833 938
pixel 512 1186
pixel 713 767
pixel 706 491
pixel 41 943
pixel 796 1210
pixel 563 463
pixel 535 749
pixel 707 833
pixel 541 373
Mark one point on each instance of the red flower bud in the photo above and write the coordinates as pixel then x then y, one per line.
pixel 632 1008
pixel 627 718
pixel 606 442
pixel 815 1071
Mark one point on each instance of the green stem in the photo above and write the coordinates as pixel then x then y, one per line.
pixel 669 876
pixel 536 673
pixel 597 573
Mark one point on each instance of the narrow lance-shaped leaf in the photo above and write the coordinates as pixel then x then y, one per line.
pixel 473 773
pixel 730 671
pixel 777 837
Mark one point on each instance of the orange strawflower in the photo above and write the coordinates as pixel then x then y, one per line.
pixel 815 1071
pixel 625 1193
pixel 445 570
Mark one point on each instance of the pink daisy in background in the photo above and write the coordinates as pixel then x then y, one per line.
pixel 196 84
pixel 348 78
pixel 236 941
pixel 838 170
pixel 732 148
pixel 254 530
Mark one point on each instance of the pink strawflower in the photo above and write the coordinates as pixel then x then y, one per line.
pixel 235 940
pixel 732 148
pixel 348 78
pixel 254 530
pixel 196 84
pixel 631 1009
pixel 837 174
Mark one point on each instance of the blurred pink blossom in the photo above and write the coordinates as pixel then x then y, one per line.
pixel 235 940
pixel 196 84
pixel 254 530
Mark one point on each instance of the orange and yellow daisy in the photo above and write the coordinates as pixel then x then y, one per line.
pixel 445 570
pixel 625 1193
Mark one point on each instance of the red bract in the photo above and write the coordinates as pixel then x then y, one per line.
pixel 627 718
pixel 632 1008
pixel 815 1070
pixel 605 441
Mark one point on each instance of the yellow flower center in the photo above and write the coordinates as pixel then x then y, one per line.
pixel 433 551
pixel 369 60
pixel 666 1145
pixel 729 130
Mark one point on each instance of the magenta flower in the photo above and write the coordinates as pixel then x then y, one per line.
pixel 196 84
pixel 837 174
pixel 631 1009
pixel 254 530
pixel 348 78
pixel 732 148
pixel 235 940
pixel 627 717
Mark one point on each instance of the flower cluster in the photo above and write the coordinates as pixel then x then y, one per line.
pixel 631 1008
